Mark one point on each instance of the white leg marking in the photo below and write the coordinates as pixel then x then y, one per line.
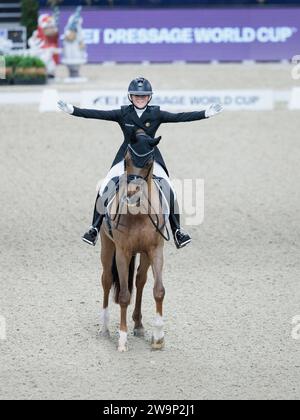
pixel 122 341
pixel 158 328
pixel 104 319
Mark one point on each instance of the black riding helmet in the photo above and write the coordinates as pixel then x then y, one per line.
pixel 140 87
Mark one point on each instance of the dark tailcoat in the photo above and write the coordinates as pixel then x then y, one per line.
pixel 129 122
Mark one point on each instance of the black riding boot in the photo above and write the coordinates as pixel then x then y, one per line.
pixel 91 236
pixel 98 214
pixel 181 238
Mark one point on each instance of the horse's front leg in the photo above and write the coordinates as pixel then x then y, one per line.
pixel 107 252
pixel 156 258
pixel 141 279
pixel 123 261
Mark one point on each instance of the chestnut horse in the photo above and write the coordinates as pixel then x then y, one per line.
pixel 134 224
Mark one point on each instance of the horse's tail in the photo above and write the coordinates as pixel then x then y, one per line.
pixel 116 280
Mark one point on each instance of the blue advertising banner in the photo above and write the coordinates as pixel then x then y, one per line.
pixel 195 35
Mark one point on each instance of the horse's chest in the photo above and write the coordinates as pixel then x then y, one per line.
pixel 141 234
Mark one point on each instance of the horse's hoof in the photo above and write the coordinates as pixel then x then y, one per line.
pixel 123 348
pixel 139 332
pixel 104 333
pixel 158 344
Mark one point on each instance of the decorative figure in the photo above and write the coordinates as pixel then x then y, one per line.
pixel 44 41
pixel 74 50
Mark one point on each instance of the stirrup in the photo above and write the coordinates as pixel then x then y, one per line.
pixel 90 238
pixel 186 241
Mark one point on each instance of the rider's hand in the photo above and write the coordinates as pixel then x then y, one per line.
pixel 63 106
pixel 213 109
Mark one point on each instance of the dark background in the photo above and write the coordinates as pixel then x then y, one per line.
pixel 167 3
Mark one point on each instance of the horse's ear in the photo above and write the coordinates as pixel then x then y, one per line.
pixel 154 142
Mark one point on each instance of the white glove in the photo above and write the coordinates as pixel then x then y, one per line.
pixel 213 109
pixel 68 108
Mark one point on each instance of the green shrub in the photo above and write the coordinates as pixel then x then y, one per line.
pixel 28 62
pixel 37 62
pixel 23 61
pixel 20 66
pixel 12 60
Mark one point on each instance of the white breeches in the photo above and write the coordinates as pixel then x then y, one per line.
pixel 119 169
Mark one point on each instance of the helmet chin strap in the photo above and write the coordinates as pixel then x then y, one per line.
pixel 130 100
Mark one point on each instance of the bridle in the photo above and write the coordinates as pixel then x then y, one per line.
pixel 134 177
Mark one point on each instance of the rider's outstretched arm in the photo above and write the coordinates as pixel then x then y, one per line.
pixel 169 117
pixel 113 115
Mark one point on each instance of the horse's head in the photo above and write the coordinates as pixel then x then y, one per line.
pixel 139 160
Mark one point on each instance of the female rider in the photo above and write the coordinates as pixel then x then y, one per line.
pixel 139 115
